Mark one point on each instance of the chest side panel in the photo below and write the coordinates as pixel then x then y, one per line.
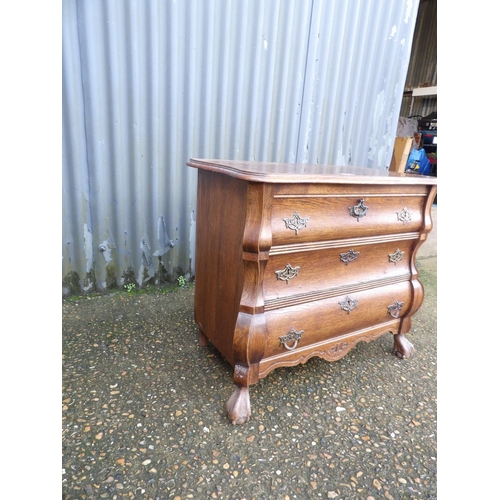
pixel 220 222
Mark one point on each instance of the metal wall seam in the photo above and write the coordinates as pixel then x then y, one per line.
pixel 76 223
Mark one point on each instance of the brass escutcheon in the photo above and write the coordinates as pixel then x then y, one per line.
pixel 396 256
pixel 349 256
pixel 296 222
pixel 288 273
pixel 358 210
pixel 348 304
pixel 404 216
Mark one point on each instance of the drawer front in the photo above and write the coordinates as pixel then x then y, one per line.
pixel 300 219
pixel 303 274
pixel 298 326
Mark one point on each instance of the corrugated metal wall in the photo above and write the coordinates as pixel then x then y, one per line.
pixel 149 84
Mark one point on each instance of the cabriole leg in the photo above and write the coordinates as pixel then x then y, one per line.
pixel 238 406
pixel 403 348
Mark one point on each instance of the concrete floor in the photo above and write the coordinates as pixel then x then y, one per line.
pixel 429 247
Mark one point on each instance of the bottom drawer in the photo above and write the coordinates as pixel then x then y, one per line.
pixel 298 326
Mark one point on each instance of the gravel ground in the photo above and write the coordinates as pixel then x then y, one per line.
pixel 143 411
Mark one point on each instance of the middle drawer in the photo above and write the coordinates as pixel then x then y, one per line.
pixel 304 274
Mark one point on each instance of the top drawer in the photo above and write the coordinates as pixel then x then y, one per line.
pixel 318 213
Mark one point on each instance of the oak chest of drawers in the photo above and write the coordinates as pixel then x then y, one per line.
pixel 295 261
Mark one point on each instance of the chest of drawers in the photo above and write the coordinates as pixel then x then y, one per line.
pixel 295 261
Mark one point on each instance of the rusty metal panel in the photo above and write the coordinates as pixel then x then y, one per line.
pixel 147 85
pixel 422 69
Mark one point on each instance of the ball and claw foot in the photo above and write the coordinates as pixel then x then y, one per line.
pixel 403 348
pixel 238 406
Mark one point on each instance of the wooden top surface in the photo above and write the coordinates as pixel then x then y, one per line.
pixel 299 172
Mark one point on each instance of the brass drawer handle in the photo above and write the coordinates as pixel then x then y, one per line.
pixel 395 309
pixel 296 222
pixel 291 336
pixel 348 304
pixel 349 256
pixel 288 273
pixel 358 210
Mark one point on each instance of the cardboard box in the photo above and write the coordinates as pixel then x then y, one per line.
pixel 402 147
